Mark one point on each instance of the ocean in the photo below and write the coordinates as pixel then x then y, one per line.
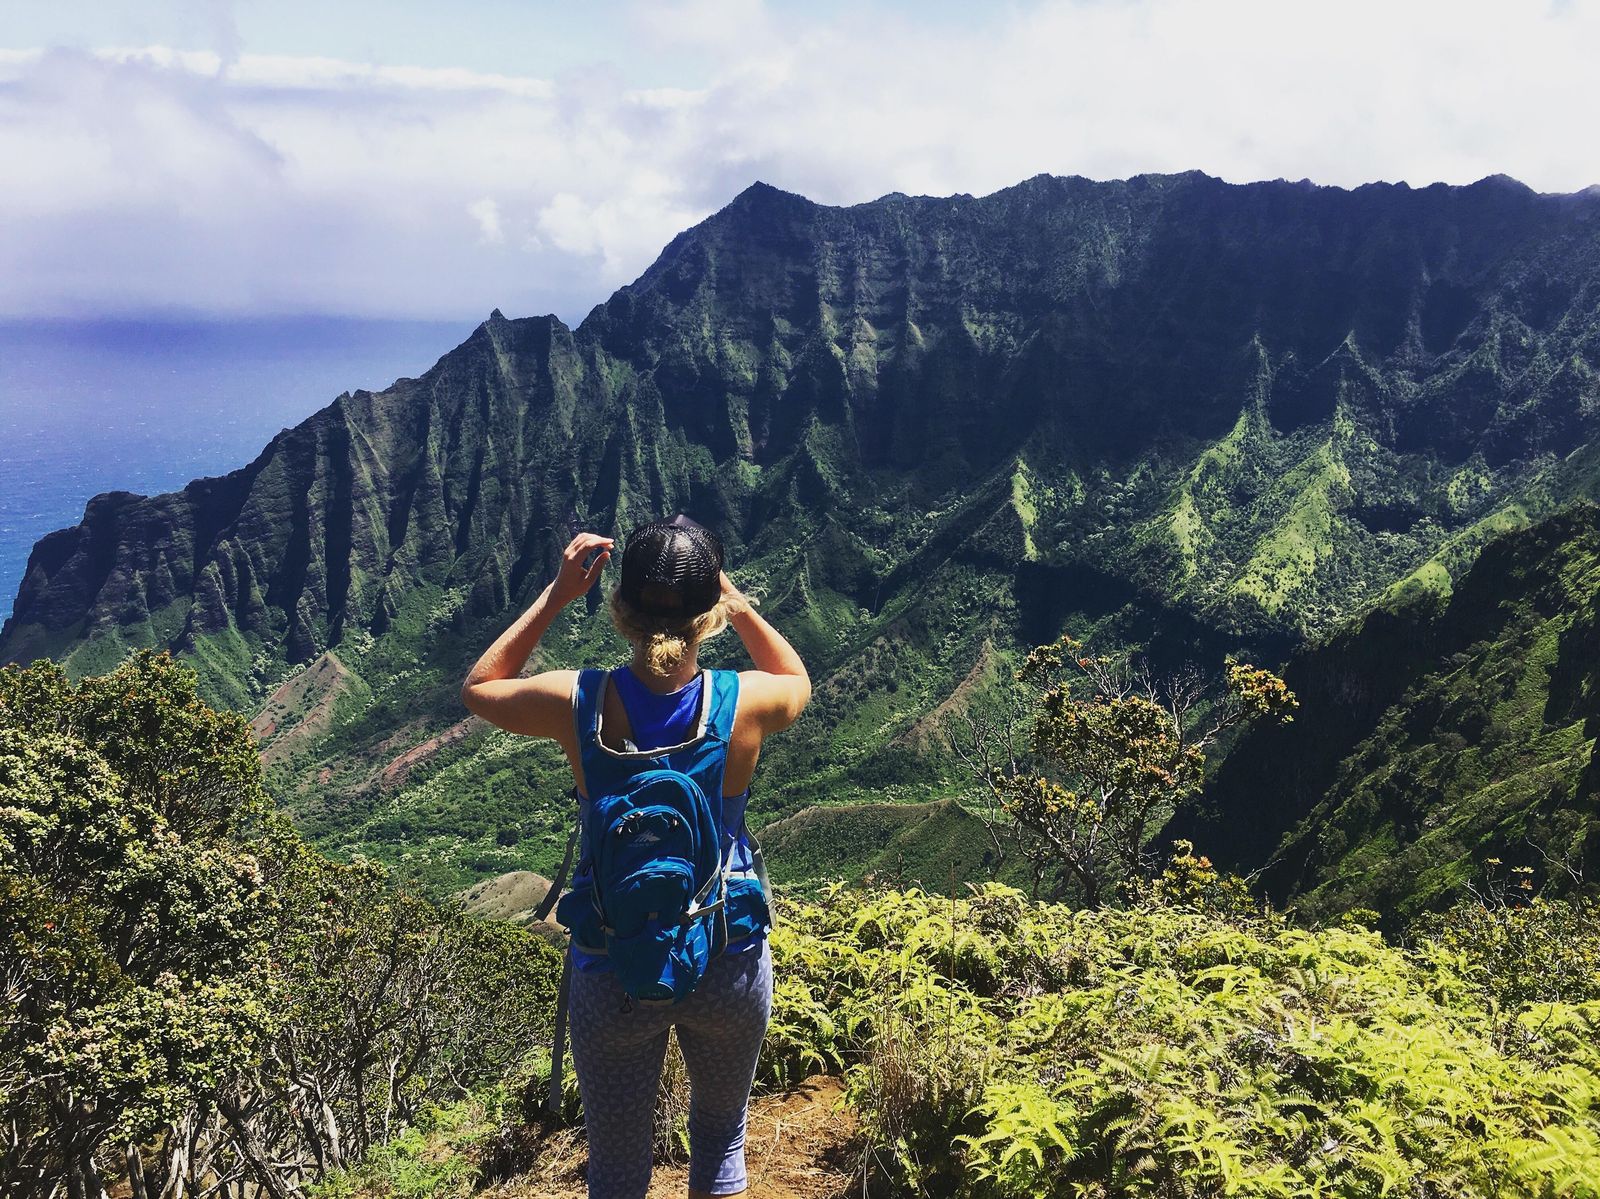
pixel 145 406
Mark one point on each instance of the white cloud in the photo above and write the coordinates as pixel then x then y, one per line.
pixel 232 182
pixel 487 213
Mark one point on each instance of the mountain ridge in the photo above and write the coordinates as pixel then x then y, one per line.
pixel 1168 411
pixel 760 191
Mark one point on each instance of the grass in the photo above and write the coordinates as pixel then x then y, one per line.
pixel 930 845
pixel 1286 559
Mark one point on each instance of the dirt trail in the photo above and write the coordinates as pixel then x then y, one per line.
pixel 799 1145
pixel 394 774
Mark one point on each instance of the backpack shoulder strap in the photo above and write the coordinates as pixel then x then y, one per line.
pixel 722 698
pixel 558 1046
pixel 588 693
pixel 548 903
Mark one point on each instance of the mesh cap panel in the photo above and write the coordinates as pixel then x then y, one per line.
pixel 672 568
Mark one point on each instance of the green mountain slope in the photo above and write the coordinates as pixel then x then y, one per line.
pixel 1433 734
pixel 1168 411
pixel 934 845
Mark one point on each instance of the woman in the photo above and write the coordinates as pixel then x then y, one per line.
pixel 673 594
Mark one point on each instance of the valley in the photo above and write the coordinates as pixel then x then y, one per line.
pixel 1170 415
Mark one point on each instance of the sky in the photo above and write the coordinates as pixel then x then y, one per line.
pixel 213 159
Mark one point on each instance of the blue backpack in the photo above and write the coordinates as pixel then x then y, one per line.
pixel 658 897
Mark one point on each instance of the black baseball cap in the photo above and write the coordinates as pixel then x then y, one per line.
pixel 672 568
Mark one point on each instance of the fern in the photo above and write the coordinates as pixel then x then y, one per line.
pixel 999 1048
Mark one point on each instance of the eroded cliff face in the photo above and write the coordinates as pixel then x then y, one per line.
pixel 1167 411
pixel 435 478
pixel 1434 733
pixel 1252 384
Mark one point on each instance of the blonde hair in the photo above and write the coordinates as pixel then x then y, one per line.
pixel 666 642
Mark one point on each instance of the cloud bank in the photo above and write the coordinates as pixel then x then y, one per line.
pixel 151 180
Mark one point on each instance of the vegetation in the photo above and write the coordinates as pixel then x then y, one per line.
pixel 202 1001
pixel 1190 1045
pixel 935 844
pixel 1187 1047
pixel 136 960
pixel 195 997
pixel 1109 752
pixel 1435 733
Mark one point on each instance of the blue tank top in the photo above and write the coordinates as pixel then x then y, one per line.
pixel 656 720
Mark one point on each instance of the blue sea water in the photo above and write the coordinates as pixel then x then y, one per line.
pixel 145 406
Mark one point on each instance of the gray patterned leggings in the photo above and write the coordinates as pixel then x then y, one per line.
pixel 617 1050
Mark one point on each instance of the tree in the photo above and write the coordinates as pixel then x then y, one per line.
pixel 1086 759
pixel 133 927
pixel 390 1004
pixel 190 996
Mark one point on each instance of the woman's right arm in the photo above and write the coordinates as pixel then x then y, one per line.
pixel 778 689
pixel 540 706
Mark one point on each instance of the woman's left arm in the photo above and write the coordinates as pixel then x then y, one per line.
pixel 540 706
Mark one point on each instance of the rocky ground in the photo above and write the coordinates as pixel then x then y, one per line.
pixel 801 1144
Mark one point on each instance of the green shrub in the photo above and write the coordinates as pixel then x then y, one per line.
pixel 1514 954
pixel 999 1048
pixel 431 1159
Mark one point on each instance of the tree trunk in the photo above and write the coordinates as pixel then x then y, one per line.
pixel 177 1161
pixel 94 1186
pixel 136 1187
pixel 256 1157
pixel 1091 890
pixel 388 1106
pixel 334 1136
pixel 363 1131
pixel 313 1136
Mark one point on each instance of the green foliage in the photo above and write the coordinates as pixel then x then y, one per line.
pixel 897 844
pixel 136 926
pixel 1000 1048
pixel 1520 952
pixel 391 1004
pixel 1190 880
pixel 193 988
pixel 1435 734
pixel 433 1158
pixel 1113 752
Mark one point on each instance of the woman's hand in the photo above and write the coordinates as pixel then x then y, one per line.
pixel 572 580
pixel 736 600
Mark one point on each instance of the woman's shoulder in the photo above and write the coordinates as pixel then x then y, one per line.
pixel 773 700
pixel 539 705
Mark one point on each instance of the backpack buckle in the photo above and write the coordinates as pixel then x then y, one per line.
pixel 694 914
